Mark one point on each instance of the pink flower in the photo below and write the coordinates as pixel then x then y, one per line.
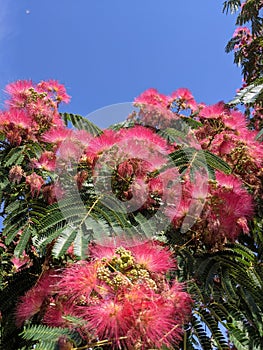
pixel 21 262
pixel 242 222
pixel 56 135
pixel 35 182
pixel 19 87
pixel 83 137
pixel 16 174
pixel 17 126
pixel 16 118
pixel 110 318
pixel 185 97
pixel 20 91
pixel 31 303
pixel 215 111
pixel 69 150
pixel 55 90
pixel 155 326
pixel 153 257
pixel 156 319
pixel 253 148
pixel 230 183
pixel 146 136
pixel 183 94
pixel 57 310
pixel 241 31
pixel 52 193
pixel 79 281
pixel 171 184
pixel 230 208
pixel 177 212
pixel 47 161
pixel 120 294
pixel 99 251
pixel 152 97
pixel 235 121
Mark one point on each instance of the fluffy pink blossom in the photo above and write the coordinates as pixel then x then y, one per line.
pixel 153 257
pixel 35 183
pixel 19 92
pixel 21 262
pixel 56 135
pixel 100 144
pixel 146 135
pixel 79 281
pixel 47 161
pixel 230 209
pixel 57 311
pixel 17 126
pixel 152 97
pixel 16 173
pixel 120 295
pixel 31 303
pixel 214 111
pixel 110 318
pixel 241 31
pixel 235 120
pixel 16 118
pixel 54 89
pixel 52 193
pixel 185 99
pixel 83 137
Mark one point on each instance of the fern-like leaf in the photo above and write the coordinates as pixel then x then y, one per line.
pixel 81 123
pixel 248 95
pixel 231 6
pixel 27 233
pixel 47 337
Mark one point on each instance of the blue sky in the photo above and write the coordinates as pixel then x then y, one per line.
pixel 109 51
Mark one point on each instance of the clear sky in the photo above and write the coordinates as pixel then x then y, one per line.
pixel 109 51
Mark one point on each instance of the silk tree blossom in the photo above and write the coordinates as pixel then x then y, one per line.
pixel 184 99
pixel 47 161
pixel 53 192
pixel 153 257
pixel 245 37
pixel 16 174
pixel 215 111
pixel 16 126
pixel 22 91
pixel 19 91
pixel 154 109
pixel 33 301
pixel 120 295
pixel 226 208
pixel 35 183
pixel 21 262
pixel 231 206
pixel 225 133
pixel 152 97
pixel 57 135
pixel 125 162
pixel 54 89
pixel 32 110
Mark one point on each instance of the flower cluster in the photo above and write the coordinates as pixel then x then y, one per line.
pixel 32 109
pixel 121 295
pixel 157 110
pixel 225 133
pixel 133 164
pixel 244 36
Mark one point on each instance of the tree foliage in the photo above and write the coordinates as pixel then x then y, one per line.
pixel 247 44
